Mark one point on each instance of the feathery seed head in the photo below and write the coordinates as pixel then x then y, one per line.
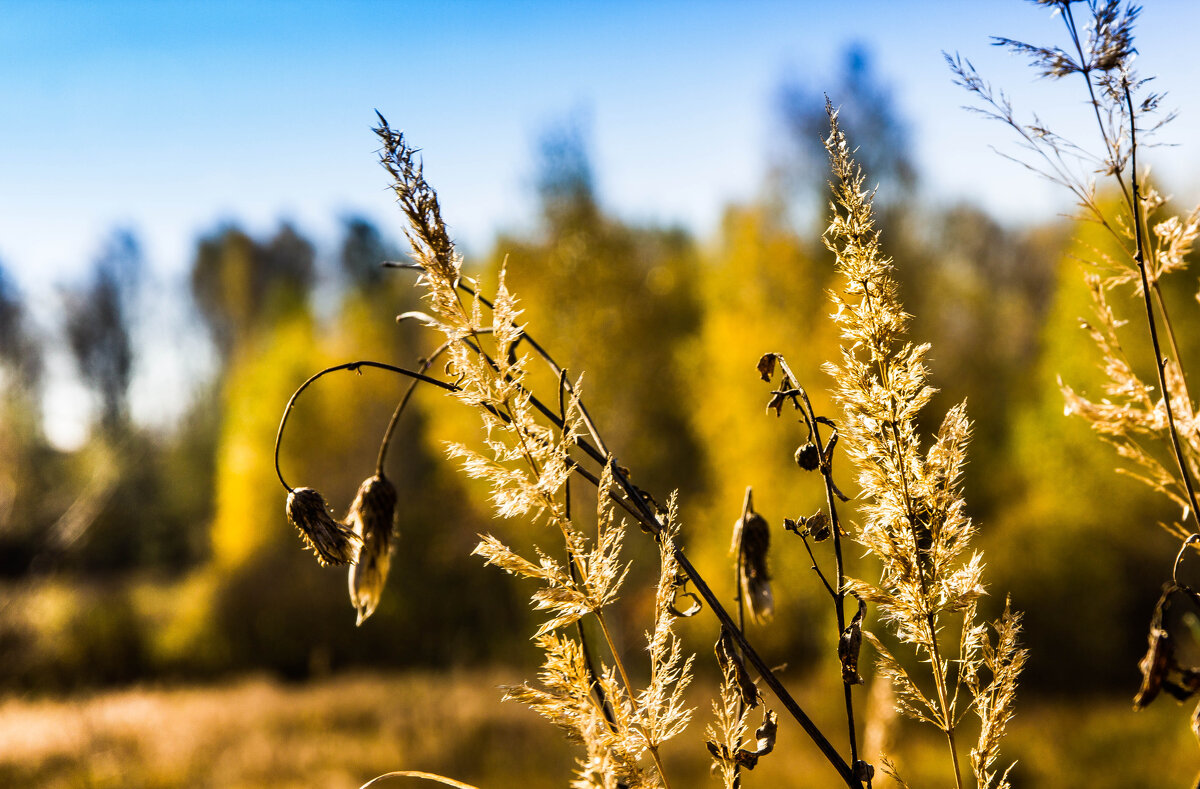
pixel 331 541
pixel 371 516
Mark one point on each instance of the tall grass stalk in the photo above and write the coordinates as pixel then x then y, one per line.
pixel 1139 421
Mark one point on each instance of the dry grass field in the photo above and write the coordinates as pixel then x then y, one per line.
pixel 338 733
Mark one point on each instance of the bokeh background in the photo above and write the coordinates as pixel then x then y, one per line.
pixel 191 221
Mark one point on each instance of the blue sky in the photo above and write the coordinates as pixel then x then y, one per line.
pixel 170 117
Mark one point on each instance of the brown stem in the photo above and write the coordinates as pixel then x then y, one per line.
pixel 354 366
pixel 391 428
pixel 747 506
pixel 838 594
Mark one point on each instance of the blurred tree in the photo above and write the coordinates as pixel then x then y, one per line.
pixel 98 326
pixel 763 291
pixel 870 119
pixel 20 349
pixel 241 285
pixel 30 470
pixel 980 294
pixel 361 254
pixel 615 303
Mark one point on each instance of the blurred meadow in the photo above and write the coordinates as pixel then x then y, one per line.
pixel 161 625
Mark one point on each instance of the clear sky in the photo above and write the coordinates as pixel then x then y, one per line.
pixel 169 117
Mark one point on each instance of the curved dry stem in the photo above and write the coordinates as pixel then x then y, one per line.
pixel 355 367
pixel 418 774
pixel 391 428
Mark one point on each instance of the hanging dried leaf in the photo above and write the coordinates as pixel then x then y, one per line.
pixel 766 366
pixel 817 525
pixel 754 542
pixel 372 517
pixel 764 744
pixel 1161 671
pixel 729 659
pixel 776 403
pixel 680 590
pixel 849 645
pixel 332 541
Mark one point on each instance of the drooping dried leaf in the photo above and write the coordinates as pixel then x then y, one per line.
pixel 818 526
pixel 849 645
pixel 731 661
pixel 1161 670
pixel 766 366
pixel 755 542
pixel 763 745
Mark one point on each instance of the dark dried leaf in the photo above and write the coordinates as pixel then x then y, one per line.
pixel 777 401
pixel 764 742
pixel 849 645
pixel 863 772
pixel 372 516
pixel 766 366
pixel 755 542
pixel 1161 671
pixel 818 526
pixel 680 589
pixel 730 660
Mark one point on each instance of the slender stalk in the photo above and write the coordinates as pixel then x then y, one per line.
pixel 939 679
pixel 1160 363
pixel 620 664
pixel 838 593
pixel 1072 28
pixel 594 680
pixel 1134 200
pixel 747 505
pixel 391 428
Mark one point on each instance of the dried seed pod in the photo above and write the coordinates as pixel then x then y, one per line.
pixel 371 516
pixel 807 457
pixel 331 541
pixel 754 540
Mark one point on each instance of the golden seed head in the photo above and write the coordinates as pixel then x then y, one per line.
pixel 372 517
pixel 331 541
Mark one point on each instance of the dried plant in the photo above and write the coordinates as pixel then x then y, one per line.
pixel 1144 422
pixel 533 447
pixel 912 513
